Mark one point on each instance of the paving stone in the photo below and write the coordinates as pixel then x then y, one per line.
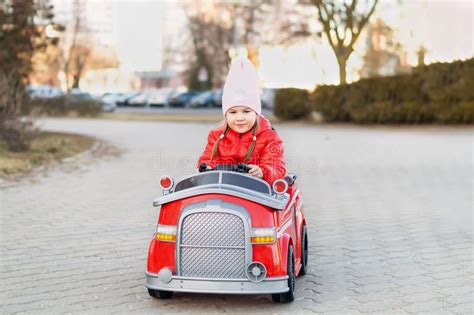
pixel 425 306
pixel 439 311
pixel 453 282
pixel 417 288
pixel 423 297
pixel 413 280
pixel 336 305
pixel 465 308
pixel 373 280
pixel 371 288
pixel 461 299
pixel 378 296
pixel 390 222
pixel 455 291
pixel 380 306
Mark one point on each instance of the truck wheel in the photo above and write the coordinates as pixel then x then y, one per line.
pixel 159 294
pixel 288 296
pixel 276 298
pixel 304 251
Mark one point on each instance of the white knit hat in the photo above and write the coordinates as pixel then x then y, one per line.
pixel 241 87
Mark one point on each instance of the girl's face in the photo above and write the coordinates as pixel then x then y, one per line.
pixel 240 118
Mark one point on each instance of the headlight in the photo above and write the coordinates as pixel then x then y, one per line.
pixel 263 235
pixel 166 233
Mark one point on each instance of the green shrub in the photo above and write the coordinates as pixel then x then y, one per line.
pixel 461 113
pixel 291 104
pixel 438 93
pixel 63 106
pixel 384 112
pixel 325 98
pixel 88 108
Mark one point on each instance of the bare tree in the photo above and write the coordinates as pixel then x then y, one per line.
pixel 79 50
pixel 218 28
pixel 290 23
pixel 210 44
pixel 343 22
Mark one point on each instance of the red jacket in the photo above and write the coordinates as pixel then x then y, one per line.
pixel 268 152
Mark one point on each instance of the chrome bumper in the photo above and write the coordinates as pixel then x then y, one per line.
pixel 218 286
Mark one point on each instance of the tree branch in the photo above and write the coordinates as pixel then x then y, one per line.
pixel 326 22
pixel 362 23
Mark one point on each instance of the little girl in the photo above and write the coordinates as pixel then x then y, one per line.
pixel 245 135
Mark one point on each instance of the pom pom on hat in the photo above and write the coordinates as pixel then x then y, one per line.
pixel 241 87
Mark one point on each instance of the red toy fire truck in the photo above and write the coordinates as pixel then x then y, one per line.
pixel 224 231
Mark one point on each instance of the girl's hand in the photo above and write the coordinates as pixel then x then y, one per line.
pixel 255 170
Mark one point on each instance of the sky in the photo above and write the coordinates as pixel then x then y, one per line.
pixel 138 34
pixel 136 29
pixel 444 28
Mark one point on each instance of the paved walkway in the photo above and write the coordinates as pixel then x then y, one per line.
pixel 389 212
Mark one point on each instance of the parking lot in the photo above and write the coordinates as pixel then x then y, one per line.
pixel 389 213
pixel 175 110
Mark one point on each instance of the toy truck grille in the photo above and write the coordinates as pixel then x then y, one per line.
pixel 212 245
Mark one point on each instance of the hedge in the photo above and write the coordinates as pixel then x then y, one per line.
pixel 438 93
pixel 291 104
pixel 62 106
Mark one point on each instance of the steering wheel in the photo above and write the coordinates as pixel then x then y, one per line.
pixel 238 168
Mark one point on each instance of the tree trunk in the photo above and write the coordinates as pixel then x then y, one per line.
pixel 76 79
pixel 342 61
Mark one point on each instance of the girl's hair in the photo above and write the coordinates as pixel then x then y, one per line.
pixel 249 150
pixel 216 144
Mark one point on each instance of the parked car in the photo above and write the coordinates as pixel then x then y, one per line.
pixel 218 97
pixel 76 95
pixel 182 99
pixel 268 98
pixel 112 98
pixel 108 107
pixel 225 231
pixel 125 98
pixel 43 91
pixel 139 99
pixel 210 98
pixel 159 97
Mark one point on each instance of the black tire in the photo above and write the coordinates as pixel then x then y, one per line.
pixel 304 251
pixel 289 296
pixel 159 294
pixel 276 298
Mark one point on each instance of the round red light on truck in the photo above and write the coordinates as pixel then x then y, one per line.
pixel 280 186
pixel 166 182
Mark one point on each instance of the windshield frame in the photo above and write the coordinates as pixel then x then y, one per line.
pixel 222 180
